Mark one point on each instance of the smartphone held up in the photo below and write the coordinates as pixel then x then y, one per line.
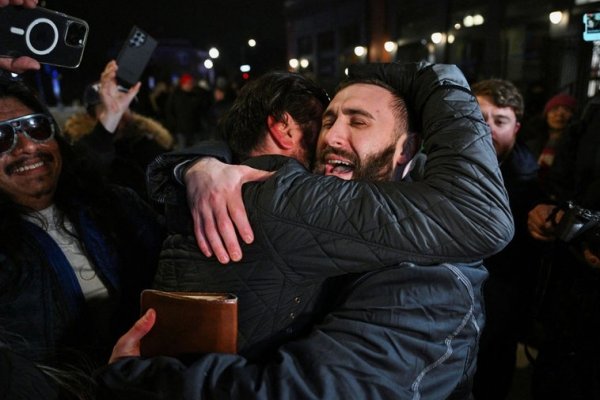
pixel 48 36
pixel 134 57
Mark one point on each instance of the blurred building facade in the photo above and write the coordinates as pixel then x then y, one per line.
pixel 511 39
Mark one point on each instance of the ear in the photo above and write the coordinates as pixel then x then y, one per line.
pixel 406 148
pixel 280 132
pixel 517 127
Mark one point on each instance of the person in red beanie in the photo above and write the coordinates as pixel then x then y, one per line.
pixel 186 112
pixel 544 133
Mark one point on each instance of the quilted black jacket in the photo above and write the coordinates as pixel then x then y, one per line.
pixel 308 228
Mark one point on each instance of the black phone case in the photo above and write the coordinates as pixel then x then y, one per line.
pixel 48 36
pixel 134 56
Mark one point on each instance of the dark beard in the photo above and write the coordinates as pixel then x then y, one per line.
pixel 376 167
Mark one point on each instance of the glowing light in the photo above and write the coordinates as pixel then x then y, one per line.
pixel 360 51
pixel 556 17
pixel 390 46
pixel 436 37
pixel 294 63
pixel 304 63
pixel 478 19
pixel 245 68
pixel 208 64
pixel 468 21
pixel 213 52
pixel 251 42
pixel 451 38
pixel 457 26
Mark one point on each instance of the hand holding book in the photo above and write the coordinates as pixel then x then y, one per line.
pixel 190 323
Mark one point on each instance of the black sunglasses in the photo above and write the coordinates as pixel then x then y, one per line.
pixel 37 127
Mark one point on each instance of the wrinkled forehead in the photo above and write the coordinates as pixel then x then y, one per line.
pixel 11 107
pixel 363 96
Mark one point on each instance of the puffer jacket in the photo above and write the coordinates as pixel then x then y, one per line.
pixel 393 329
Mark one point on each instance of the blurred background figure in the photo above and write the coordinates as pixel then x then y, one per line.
pixel 568 294
pixel 543 133
pixel 186 112
pixel 508 290
pixel 137 141
pixel 223 96
pixel 157 98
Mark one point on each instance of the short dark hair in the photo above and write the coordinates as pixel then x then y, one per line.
pixel 399 104
pixel 24 94
pixel 503 94
pixel 244 126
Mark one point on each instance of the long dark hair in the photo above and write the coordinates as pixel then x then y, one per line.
pixel 78 184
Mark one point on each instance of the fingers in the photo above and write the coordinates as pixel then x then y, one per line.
pixel 24 3
pixel 19 65
pixel 210 216
pixel 129 344
pixel 200 235
pixel 538 225
pixel 239 217
pixel 237 209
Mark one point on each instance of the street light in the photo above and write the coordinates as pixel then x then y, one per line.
pixel 304 63
pixel 208 64
pixel 360 51
pixel 390 46
pixel 437 37
pixel 213 52
pixel 555 17
pixel 251 42
pixel 294 63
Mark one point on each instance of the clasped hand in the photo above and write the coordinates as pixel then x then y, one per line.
pixel 214 191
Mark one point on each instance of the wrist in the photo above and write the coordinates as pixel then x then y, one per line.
pixel 110 121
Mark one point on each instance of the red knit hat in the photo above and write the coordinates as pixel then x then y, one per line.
pixel 561 99
pixel 185 78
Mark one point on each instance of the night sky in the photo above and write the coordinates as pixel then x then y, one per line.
pixel 225 24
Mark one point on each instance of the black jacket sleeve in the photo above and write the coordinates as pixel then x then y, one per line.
pixel 163 186
pixel 458 212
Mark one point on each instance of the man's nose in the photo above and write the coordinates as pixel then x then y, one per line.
pixel 24 143
pixel 336 135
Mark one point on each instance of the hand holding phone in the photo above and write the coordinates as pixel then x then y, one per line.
pixel 47 36
pixel 20 64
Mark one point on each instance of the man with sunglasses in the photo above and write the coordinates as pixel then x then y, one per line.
pixel 75 252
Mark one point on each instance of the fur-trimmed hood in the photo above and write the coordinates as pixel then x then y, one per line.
pixel 135 125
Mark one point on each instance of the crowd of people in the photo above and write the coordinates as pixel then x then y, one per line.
pixel 397 240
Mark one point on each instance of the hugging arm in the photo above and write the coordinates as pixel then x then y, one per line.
pixel 458 211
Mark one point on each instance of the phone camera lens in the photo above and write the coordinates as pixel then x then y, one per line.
pixel 75 34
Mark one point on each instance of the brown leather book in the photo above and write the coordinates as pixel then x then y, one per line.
pixel 190 323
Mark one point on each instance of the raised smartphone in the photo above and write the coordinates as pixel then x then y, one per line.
pixel 134 56
pixel 50 37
